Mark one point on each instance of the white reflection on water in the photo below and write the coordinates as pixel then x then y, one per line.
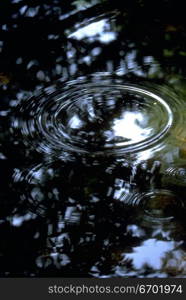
pixel 95 31
pixel 18 220
pixel 75 122
pixel 132 126
pixel 151 253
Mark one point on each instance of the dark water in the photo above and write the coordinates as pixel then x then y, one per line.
pixel 93 138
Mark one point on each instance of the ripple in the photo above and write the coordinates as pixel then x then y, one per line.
pixel 158 205
pixel 36 188
pixel 100 117
pixel 176 175
pixel 161 204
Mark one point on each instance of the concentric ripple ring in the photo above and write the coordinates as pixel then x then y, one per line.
pixel 96 118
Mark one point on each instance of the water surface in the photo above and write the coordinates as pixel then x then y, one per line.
pixel 92 142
